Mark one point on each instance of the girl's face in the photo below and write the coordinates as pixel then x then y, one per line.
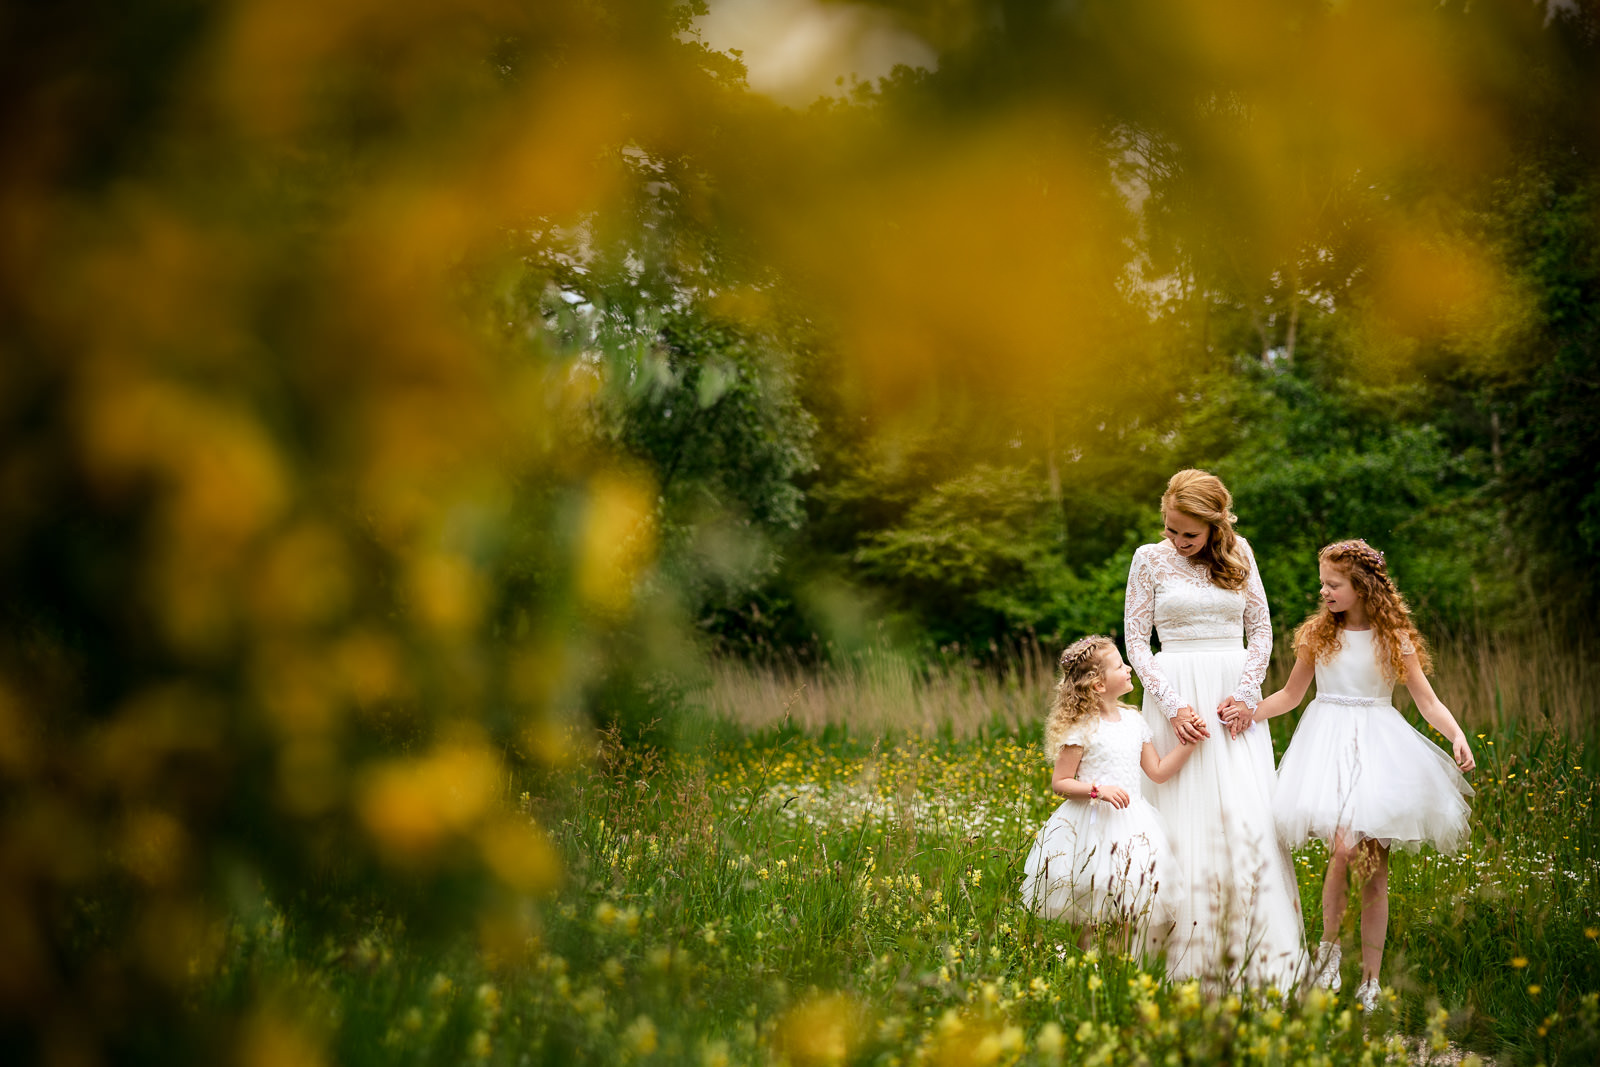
pixel 1337 591
pixel 1187 533
pixel 1116 677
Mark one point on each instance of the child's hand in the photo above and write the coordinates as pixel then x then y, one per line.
pixel 1463 753
pixel 1116 796
pixel 1236 715
pixel 1188 726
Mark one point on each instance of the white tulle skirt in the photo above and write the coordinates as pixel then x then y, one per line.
pixel 1092 863
pixel 1362 769
pixel 1238 917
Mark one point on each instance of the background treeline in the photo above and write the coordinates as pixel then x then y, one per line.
pixel 1408 356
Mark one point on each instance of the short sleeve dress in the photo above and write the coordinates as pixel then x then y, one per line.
pixel 1093 863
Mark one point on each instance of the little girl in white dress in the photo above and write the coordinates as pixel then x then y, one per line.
pixel 1104 856
pixel 1356 774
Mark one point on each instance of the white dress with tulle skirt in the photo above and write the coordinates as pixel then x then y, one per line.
pixel 1093 863
pixel 1355 765
pixel 1238 918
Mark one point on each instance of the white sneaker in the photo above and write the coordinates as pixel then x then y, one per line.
pixel 1325 969
pixel 1367 994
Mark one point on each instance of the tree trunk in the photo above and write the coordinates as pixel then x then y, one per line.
pixel 1051 466
pixel 1294 325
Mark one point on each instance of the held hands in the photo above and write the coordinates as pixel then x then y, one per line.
pixel 1189 727
pixel 1235 715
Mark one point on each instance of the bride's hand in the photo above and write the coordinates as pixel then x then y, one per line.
pixel 1236 715
pixel 1189 727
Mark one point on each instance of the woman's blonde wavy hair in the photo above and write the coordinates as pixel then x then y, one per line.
pixel 1393 632
pixel 1076 701
pixel 1202 496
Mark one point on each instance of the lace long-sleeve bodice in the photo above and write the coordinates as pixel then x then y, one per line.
pixel 1175 597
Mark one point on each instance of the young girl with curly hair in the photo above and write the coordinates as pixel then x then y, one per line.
pixel 1103 857
pixel 1356 774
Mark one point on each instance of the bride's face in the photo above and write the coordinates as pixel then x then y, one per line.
pixel 1187 533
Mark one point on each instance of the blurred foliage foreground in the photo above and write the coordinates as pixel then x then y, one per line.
pixel 385 384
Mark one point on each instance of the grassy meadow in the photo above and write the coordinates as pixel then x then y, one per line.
pixel 829 874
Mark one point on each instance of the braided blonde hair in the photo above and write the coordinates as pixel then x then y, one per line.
pixel 1076 701
pixel 1393 632
pixel 1202 496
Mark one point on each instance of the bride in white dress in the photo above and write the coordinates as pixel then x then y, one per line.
pixel 1239 919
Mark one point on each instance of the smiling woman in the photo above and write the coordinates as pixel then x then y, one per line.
pixel 1239 918
pixel 1197 511
pixel 1188 534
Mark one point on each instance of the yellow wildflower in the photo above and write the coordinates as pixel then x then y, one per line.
pixel 640 1036
pixel 1050 1041
pixel 715 1054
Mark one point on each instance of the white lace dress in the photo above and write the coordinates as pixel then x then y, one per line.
pixel 1093 863
pixel 1355 764
pixel 1239 918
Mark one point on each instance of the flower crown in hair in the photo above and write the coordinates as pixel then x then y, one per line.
pixel 1078 651
pixel 1370 554
pixel 1372 557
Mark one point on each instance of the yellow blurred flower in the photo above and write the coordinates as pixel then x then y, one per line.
pixel 412 806
pixel 715 1054
pixel 820 1031
pixel 1050 1041
pixel 520 854
pixel 271 1040
pixel 618 540
pixel 640 1036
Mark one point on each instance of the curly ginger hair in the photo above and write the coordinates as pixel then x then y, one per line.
pixel 1394 634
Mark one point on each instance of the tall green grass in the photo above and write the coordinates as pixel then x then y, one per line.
pixel 830 876
pixel 782 897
